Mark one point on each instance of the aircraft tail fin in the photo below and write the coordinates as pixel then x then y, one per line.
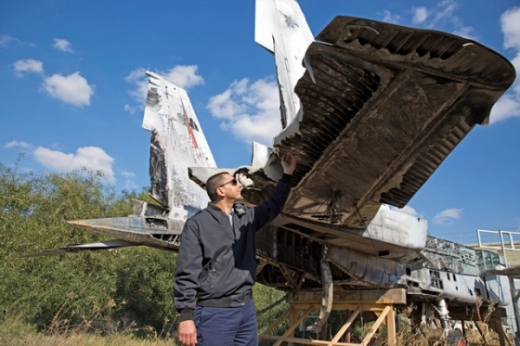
pixel 177 142
pixel 281 28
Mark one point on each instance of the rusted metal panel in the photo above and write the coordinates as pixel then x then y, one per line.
pixel 388 104
pixel 367 269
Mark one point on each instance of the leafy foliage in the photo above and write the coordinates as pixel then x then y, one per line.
pixel 120 284
pixel 270 303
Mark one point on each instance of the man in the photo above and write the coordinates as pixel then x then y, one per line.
pixel 216 265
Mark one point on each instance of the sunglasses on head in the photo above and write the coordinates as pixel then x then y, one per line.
pixel 233 182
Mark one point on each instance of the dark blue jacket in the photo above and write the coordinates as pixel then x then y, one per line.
pixel 216 265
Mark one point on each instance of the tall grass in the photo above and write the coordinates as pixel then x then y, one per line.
pixel 15 332
pixel 66 329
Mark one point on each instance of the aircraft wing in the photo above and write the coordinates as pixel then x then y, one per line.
pixel 382 107
pixel 513 272
pixel 73 248
pixel 149 230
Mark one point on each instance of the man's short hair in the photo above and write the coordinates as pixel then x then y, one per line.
pixel 213 183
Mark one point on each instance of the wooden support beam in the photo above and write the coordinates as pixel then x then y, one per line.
pixel 390 327
pixel 497 327
pixel 387 296
pixel 381 302
pixel 346 326
pixel 306 341
pixel 295 323
pixel 277 322
pixel 376 325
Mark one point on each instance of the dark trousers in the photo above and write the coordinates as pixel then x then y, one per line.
pixel 226 326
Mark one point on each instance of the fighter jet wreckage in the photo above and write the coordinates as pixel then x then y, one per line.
pixel 371 110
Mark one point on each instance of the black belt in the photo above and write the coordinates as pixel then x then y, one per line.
pixel 225 302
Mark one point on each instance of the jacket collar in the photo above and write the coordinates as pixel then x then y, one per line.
pixel 238 208
pixel 216 212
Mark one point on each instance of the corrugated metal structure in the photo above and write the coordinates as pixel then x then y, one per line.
pixel 383 105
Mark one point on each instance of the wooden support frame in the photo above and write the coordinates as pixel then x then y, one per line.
pixel 493 321
pixel 502 337
pixel 381 302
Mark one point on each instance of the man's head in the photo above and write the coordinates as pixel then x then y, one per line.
pixel 223 185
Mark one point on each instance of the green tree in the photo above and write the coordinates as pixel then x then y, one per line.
pixel 34 210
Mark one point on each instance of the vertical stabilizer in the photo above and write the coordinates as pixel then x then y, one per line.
pixel 177 142
pixel 281 28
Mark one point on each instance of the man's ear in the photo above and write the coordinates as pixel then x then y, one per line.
pixel 220 192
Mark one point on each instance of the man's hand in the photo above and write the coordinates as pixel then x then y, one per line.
pixel 288 163
pixel 187 333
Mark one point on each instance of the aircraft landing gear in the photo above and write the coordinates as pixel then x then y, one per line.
pixel 456 338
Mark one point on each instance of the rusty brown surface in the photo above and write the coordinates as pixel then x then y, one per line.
pixel 388 105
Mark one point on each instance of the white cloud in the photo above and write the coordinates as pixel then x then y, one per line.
pixel 6 39
pixel 130 109
pixel 440 16
pixel 17 144
pixel 406 210
pixel 63 45
pixel 443 12
pixel 128 174
pixel 508 106
pixel 510 22
pixel 184 76
pixel 91 158
pixel 129 181
pixel 465 31
pixel 249 110
pixel 28 65
pixel 390 17
pixel 420 14
pixel 135 75
pixel 226 105
pixel 138 78
pixel 447 216
pixel 72 89
pixel 516 64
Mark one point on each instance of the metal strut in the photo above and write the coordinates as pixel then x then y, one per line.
pixel 327 293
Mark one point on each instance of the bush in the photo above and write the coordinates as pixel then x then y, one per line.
pixel 34 210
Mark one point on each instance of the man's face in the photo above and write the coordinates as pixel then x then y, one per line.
pixel 231 188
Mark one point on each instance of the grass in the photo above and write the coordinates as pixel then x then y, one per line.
pixel 15 332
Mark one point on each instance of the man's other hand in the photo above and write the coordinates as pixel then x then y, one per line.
pixel 288 163
pixel 187 333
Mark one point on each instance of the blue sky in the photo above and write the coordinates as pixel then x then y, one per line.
pixel 72 81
